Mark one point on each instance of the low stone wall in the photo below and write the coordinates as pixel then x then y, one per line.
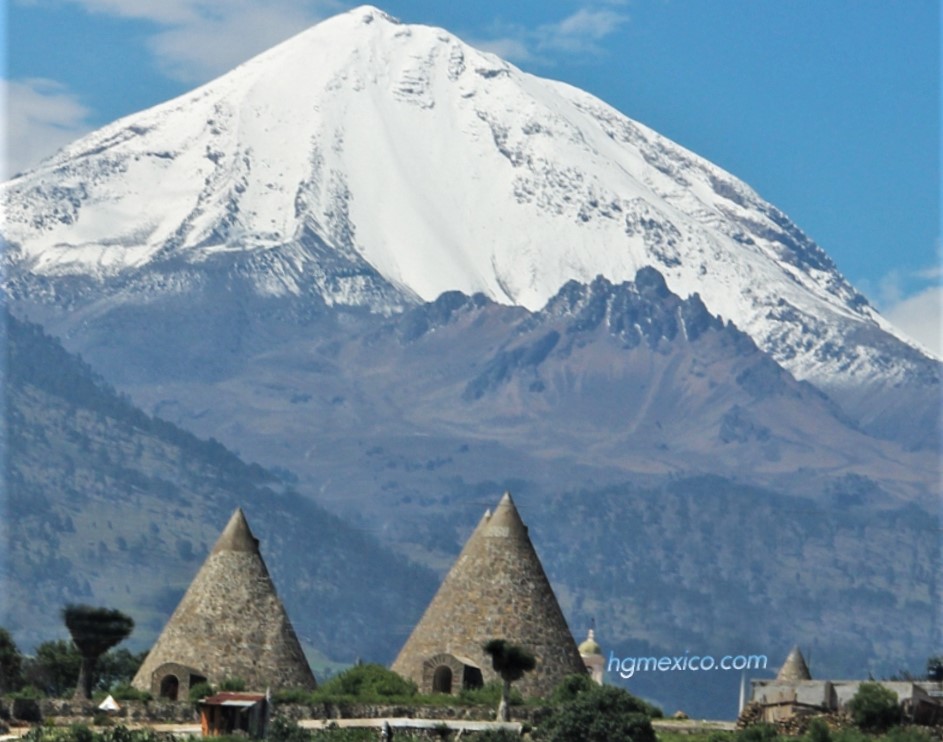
pixel 297 712
pixel 370 711
pixel 68 711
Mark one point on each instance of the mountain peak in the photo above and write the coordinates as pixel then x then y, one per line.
pixel 379 172
pixel 368 14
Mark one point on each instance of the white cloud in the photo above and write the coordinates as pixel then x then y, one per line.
pixel 507 47
pixel 913 302
pixel 196 40
pixel 165 11
pixel 38 117
pixel 919 317
pixel 579 33
pixel 212 44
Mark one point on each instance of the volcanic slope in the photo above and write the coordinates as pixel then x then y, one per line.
pixel 381 417
pixel 369 163
pixel 106 505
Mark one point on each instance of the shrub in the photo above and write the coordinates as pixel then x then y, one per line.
pixel 335 734
pixel 497 735
pixel 366 683
pixel 281 729
pixel 570 687
pixel 758 733
pixel 233 685
pixel 26 709
pixel 200 691
pixel 818 731
pixel 81 733
pixel 29 693
pixel 849 735
pixel 292 695
pixel 127 692
pixel 874 708
pixel 908 734
pixel 101 719
pixel 488 695
pixel 121 733
pixel 599 715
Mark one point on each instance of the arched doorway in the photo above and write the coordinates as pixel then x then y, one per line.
pixel 472 678
pixel 169 687
pixel 442 679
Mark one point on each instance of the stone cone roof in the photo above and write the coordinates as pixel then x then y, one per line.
pixel 497 589
pixel 794 668
pixel 231 623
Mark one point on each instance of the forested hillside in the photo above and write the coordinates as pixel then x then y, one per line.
pixel 107 505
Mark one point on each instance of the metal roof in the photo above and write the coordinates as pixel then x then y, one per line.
pixel 241 700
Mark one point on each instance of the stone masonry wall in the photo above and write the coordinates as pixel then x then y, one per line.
pixel 496 589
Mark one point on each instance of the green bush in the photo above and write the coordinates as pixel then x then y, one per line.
pixel 233 685
pixel 570 687
pixel 27 709
pixel 850 735
pixel 368 683
pixel 818 731
pixel 81 733
pixel 497 735
pixel 121 733
pixel 599 715
pixel 281 729
pixel 127 692
pixel 292 695
pixel 200 691
pixel 874 708
pixel 758 733
pixel 908 734
pixel 29 693
pixel 488 695
pixel 333 733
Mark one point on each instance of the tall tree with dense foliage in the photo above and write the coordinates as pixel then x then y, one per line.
pixel 599 714
pixel 53 668
pixel 875 708
pixel 11 663
pixel 510 662
pixel 94 631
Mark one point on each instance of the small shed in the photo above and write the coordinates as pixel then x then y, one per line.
pixel 230 713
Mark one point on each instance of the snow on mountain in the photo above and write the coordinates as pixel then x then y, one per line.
pixel 372 163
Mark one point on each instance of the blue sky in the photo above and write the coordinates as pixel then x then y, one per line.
pixel 829 108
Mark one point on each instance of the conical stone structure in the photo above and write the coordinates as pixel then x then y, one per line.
pixel 229 624
pixel 497 589
pixel 794 668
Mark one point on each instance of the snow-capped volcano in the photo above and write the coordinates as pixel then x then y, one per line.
pixel 370 163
